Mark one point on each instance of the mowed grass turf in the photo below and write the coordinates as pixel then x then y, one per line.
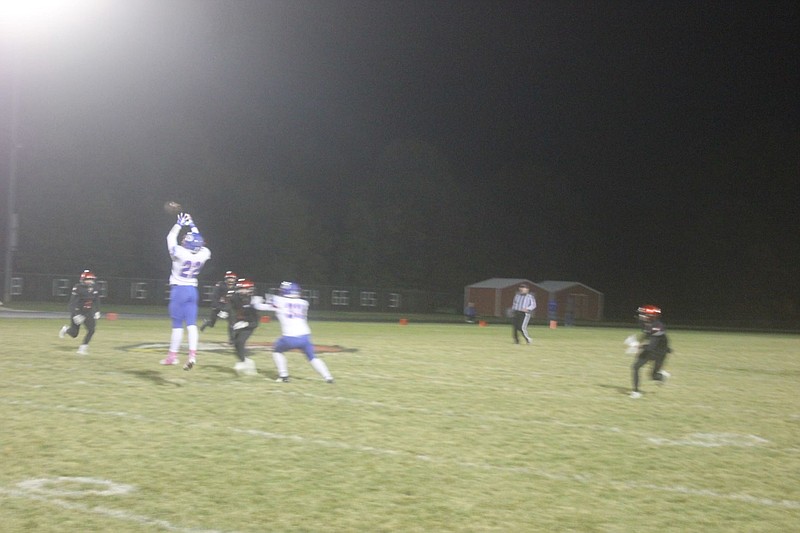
pixel 427 428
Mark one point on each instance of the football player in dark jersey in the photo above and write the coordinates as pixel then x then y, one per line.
pixel 220 302
pixel 84 309
pixel 244 320
pixel 652 345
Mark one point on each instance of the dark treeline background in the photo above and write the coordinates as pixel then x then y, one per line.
pixel 406 220
pixel 649 151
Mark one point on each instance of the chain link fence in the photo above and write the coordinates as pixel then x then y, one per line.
pixel 146 291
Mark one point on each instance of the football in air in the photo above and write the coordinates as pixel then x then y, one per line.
pixel 172 208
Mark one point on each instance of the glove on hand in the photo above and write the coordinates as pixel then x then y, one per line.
pixel 78 319
pixel 97 315
pixel 241 324
pixel 632 344
pixel 222 314
pixel 185 219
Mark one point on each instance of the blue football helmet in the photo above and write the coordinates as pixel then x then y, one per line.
pixel 193 241
pixel 290 289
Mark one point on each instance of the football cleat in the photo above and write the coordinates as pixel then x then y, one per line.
pixel 83 349
pixel 282 379
pixel 329 380
pixel 62 332
pixel 636 394
pixel 190 363
pixel 246 367
pixel 170 360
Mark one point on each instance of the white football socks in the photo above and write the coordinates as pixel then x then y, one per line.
pixel 321 368
pixel 193 335
pixel 175 340
pixel 280 364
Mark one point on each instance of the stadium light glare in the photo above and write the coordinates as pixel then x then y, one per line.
pixel 20 21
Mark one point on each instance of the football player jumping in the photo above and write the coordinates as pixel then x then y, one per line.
pixel 188 259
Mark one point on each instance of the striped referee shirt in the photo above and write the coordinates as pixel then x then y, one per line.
pixel 524 302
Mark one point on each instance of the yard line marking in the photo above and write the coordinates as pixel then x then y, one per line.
pixel 586 479
pixel 459 414
pixel 104 511
pixel 697 439
pixel 712 440
pixel 47 486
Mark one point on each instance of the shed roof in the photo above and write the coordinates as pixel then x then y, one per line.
pixel 500 283
pixel 555 286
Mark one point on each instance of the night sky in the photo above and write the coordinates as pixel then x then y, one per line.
pixel 649 150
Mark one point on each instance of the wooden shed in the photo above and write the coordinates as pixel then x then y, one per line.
pixel 493 297
pixel 567 301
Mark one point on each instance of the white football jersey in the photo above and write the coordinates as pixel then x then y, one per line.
pixel 186 265
pixel 292 313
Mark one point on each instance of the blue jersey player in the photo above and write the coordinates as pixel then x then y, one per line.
pixel 188 257
pixel 292 313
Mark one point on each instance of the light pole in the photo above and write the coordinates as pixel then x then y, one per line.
pixel 20 20
pixel 13 218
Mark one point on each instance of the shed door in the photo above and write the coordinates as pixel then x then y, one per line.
pixel 578 304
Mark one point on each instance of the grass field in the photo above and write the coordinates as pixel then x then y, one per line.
pixel 428 427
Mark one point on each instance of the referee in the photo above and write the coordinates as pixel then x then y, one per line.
pixel 523 306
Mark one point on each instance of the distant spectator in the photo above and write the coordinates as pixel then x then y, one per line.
pixel 470 313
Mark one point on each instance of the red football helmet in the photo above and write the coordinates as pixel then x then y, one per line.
pixel 88 277
pixel 245 286
pixel 230 278
pixel 649 312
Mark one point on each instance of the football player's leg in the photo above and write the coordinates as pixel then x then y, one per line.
pixel 90 327
pixel 639 363
pixel 193 336
pixel 176 337
pixel 211 321
pixel 524 327
pixel 189 311
pixel 241 343
pixel 245 352
pixel 657 364
pixel 317 364
pixel 279 359
pixel 176 316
